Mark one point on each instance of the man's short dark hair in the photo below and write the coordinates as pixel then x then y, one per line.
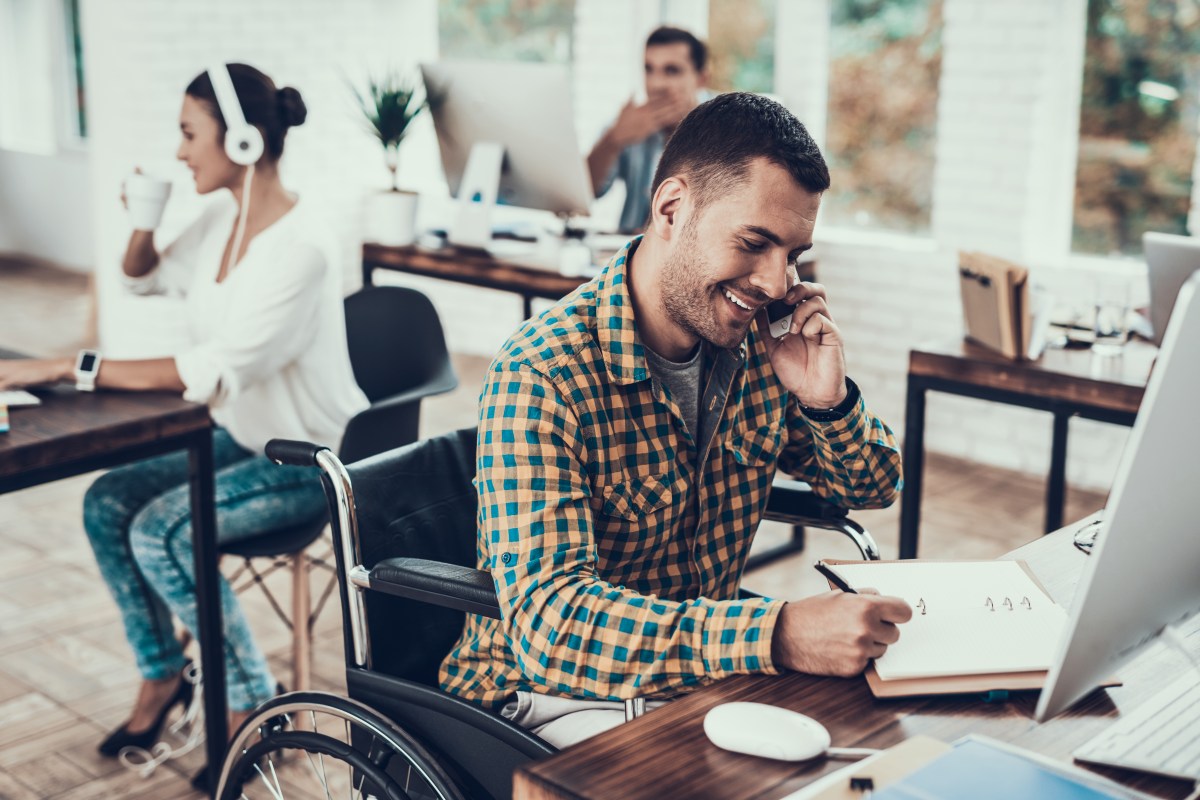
pixel 714 145
pixel 697 49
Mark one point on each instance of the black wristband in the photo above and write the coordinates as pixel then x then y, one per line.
pixel 837 412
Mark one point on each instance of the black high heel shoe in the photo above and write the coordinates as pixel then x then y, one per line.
pixel 121 737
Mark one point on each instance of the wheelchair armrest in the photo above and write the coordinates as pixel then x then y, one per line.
pixel 795 503
pixel 290 451
pixel 438 583
pixel 793 498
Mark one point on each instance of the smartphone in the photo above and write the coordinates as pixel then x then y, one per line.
pixel 779 317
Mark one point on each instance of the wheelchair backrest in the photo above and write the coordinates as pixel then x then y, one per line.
pixel 417 501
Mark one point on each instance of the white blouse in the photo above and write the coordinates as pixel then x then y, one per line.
pixel 268 352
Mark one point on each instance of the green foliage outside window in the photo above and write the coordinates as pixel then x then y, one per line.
pixel 741 45
pixel 517 30
pixel 885 62
pixel 1138 122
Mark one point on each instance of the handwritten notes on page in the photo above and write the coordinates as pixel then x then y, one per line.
pixel 969 617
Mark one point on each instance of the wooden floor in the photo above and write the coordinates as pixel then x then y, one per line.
pixel 66 676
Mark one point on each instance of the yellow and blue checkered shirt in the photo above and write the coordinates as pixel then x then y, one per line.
pixel 615 539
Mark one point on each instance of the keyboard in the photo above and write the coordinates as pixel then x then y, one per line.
pixel 1162 735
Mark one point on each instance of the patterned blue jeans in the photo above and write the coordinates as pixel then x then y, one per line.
pixel 138 519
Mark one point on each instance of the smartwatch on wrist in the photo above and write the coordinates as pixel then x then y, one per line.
pixel 87 365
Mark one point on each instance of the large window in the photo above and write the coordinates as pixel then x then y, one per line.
pixel 523 30
pixel 41 75
pixel 742 45
pixel 1137 125
pixel 885 61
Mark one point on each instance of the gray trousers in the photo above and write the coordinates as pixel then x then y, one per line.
pixel 564 721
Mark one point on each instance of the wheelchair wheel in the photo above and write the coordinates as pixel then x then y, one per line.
pixel 318 745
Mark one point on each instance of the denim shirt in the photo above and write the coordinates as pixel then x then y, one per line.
pixel 635 167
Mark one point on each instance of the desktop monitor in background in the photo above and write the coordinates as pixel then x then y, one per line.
pixel 506 132
pixel 1170 260
pixel 1144 571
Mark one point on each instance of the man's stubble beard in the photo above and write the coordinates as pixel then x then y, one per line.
pixel 686 299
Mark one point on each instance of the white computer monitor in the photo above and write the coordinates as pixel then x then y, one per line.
pixel 1170 260
pixel 1144 570
pixel 524 108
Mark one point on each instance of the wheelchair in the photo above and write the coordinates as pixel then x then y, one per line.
pixel 404 531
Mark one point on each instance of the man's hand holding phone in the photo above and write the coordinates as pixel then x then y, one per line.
pixel 805 346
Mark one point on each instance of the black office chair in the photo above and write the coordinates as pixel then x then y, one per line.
pixel 404 531
pixel 398 354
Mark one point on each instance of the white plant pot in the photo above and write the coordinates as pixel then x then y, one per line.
pixel 392 218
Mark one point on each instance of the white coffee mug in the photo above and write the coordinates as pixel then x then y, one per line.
pixel 146 197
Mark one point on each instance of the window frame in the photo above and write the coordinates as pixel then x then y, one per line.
pixel 59 80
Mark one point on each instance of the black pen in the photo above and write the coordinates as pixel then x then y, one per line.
pixel 833 577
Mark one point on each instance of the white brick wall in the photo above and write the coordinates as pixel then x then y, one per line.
pixel 801 61
pixel 1008 120
pixel 888 300
pixel 1005 159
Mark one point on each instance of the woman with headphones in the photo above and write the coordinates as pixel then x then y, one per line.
pixel 268 355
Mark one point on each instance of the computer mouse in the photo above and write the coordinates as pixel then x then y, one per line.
pixel 758 729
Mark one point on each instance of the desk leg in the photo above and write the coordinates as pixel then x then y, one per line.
pixel 914 462
pixel 208 601
pixel 1056 486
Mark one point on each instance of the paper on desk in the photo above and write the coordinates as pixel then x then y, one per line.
pixel 16 397
pixel 959 633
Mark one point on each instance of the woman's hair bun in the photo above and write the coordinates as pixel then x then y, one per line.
pixel 292 110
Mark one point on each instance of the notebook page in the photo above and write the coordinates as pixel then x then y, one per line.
pixel 979 617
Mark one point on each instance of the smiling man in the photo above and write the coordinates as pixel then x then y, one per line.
pixel 630 148
pixel 628 437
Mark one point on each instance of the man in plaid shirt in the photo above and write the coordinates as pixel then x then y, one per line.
pixel 628 437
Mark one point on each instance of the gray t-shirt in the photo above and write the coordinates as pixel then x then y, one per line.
pixel 682 380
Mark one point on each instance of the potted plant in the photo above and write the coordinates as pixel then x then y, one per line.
pixel 390 106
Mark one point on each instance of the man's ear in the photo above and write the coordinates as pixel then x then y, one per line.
pixel 665 206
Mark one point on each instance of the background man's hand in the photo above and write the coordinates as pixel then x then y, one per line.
pixel 635 123
pixel 809 361
pixel 836 633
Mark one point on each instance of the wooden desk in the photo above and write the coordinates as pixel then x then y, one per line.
pixel 72 432
pixel 666 754
pixel 472 267
pixel 1066 383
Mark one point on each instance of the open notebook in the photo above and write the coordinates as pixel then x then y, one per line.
pixel 969 617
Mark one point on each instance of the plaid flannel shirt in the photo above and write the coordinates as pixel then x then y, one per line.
pixel 617 541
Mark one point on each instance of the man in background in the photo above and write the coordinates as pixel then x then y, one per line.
pixel 632 145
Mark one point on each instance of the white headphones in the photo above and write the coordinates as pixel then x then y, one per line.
pixel 243 142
